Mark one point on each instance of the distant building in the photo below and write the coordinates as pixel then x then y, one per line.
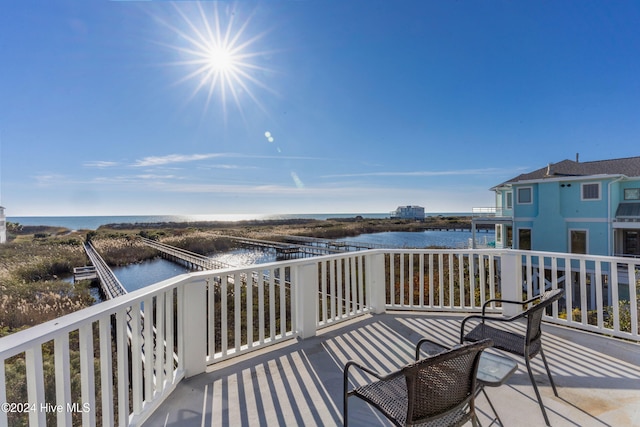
pixel 408 212
pixel 3 226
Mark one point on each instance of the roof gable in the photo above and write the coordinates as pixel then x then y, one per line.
pixel 629 167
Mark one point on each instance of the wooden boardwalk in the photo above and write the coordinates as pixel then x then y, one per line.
pixel 109 283
pixel 287 250
pixel 194 260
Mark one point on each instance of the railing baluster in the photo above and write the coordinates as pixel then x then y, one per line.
pixel 3 396
pixel 87 377
pixel 249 287
pixel 106 371
pixel 272 305
pixel 35 385
pixel 160 343
pixel 63 378
pixel 462 281
pixel 283 304
pixel 211 309
pixel 339 289
pixel 599 302
pixel 170 336
pixel 261 303
pixel 147 331
pixel 583 292
pixel 123 368
pixel 633 298
pixel 136 359
pixel 224 309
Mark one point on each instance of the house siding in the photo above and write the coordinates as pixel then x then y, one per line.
pixel 558 206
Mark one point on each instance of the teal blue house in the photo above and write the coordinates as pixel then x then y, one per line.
pixel 571 206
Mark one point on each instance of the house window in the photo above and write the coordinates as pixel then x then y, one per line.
pixel 632 193
pixel 498 233
pixel 524 196
pixel 591 191
pixel 524 238
pixel 578 242
pixel 509 200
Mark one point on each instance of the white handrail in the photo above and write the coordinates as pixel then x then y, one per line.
pixel 201 318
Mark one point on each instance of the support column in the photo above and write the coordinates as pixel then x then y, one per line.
pixel 305 299
pixel 511 281
pixel 192 328
pixel 375 282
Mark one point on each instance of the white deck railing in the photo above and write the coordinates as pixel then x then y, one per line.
pixel 96 365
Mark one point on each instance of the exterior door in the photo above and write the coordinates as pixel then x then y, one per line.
pixel 631 242
pixel 524 238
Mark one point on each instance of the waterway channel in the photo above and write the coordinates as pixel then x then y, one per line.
pixel 143 274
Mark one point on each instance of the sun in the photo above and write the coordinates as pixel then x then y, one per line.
pixel 220 60
pixel 219 56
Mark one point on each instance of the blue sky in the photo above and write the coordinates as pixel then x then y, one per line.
pixel 304 106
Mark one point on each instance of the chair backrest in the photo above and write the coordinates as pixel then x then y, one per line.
pixel 534 319
pixel 443 383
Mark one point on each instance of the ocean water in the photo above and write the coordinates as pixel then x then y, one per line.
pixel 93 222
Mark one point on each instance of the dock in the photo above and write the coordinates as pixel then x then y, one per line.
pixel 193 260
pixel 88 272
pixel 288 250
pixel 341 245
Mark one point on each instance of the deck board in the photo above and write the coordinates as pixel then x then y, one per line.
pixel 300 382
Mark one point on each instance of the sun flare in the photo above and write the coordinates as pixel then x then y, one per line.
pixel 218 56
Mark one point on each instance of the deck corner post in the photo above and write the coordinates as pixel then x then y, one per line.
pixel 192 328
pixel 306 295
pixel 511 281
pixel 375 282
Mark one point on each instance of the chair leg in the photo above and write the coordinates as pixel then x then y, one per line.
pixel 492 407
pixel 546 365
pixel 535 388
pixel 345 413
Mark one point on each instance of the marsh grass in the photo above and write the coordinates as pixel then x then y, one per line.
pixel 31 289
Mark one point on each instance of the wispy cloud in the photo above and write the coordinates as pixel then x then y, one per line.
pixel 184 158
pixel 174 158
pixel 100 164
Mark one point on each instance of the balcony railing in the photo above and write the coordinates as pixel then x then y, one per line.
pixel 489 212
pixel 117 361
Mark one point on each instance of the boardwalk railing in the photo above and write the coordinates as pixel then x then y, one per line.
pixel 195 260
pixel 109 283
pixel 85 360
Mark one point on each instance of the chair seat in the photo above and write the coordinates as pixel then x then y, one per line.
pixel 390 397
pixel 503 340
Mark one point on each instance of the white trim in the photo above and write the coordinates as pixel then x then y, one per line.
pixel 620 225
pixel 595 199
pixel 570 179
pixel 597 220
pixel 518 195
pixel 506 199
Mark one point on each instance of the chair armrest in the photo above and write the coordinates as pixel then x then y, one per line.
pixel 427 340
pixel 483 318
pixel 504 301
pixel 350 363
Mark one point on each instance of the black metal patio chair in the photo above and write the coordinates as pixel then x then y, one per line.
pixel 434 391
pixel 527 345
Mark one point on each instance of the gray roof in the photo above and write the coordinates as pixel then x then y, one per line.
pixel 629 167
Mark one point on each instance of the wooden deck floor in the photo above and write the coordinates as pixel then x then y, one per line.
pixel 300 383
